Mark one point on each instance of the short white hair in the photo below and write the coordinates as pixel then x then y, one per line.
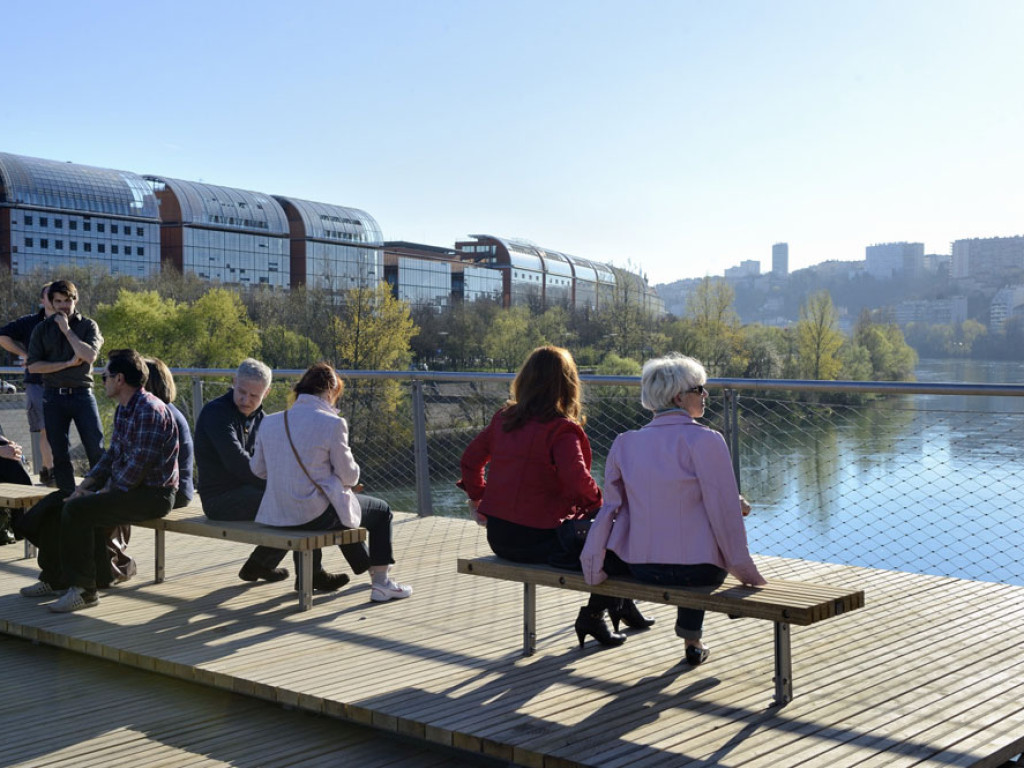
pixel 252 369
pixel 665 377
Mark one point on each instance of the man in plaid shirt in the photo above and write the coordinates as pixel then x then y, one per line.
pixel 136 479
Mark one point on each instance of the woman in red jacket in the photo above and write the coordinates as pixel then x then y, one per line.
pixel 537 462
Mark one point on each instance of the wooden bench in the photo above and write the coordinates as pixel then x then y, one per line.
pixel 191 521
pixel 782 602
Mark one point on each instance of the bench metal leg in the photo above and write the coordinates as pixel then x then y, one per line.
pixel 529 619
pixel 30 550
pixel 783 665
pixel 160 539
pixel 305 580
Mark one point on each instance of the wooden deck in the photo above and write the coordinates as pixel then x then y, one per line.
pixel 929 673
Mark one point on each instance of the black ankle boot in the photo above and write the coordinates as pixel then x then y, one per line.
pixel 627 612
pixel 591 622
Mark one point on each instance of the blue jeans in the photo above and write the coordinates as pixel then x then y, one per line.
pixel 59 411
pixel 689 621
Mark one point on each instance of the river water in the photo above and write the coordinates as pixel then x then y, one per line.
pixel 925 483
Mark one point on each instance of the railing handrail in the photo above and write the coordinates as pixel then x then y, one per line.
pixel 799 385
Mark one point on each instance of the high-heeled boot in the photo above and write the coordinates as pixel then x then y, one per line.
pixel 627 612
pixel 591 622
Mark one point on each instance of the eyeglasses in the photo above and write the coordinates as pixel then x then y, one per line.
pixel 698 390
pixel 106 376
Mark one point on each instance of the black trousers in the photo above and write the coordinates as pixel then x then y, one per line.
pixel 242 503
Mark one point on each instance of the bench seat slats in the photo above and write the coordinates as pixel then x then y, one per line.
pixel 187 521
pixel 779 601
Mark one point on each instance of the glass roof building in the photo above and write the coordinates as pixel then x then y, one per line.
pixel 55 214
pixel 223 234
pixel 333 247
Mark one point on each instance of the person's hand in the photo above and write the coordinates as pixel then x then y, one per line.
pixel 62 322
pixel 474 507
pixel 76 360
pixel 10 451
pixel 79 492
pixel 744 506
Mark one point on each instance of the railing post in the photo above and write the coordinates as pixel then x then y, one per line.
pixel 732 431
pixel 424 505
pixel 197 399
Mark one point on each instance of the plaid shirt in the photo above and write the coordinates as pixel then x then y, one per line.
pixel 143 450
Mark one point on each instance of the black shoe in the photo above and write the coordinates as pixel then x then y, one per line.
pixel 326 582
pixel 591 622
pixel 696 656
pixel 253 572
pixel 627 612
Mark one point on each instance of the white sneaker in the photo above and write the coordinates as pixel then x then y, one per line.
pixel 389 590
pixel 39 589
pixel 75 599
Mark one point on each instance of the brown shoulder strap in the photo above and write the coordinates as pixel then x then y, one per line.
pixel 288 432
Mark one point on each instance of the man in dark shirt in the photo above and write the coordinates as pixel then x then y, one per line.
pixel 224 442
pixel 135 479
pixel 14 338
pixel 63 348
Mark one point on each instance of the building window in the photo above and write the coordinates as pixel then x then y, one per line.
pixel 87 247
pixel 43 221
pixel 113 229
pixel 87 226
pixel 58 223
pixel 28 242
pixel 140 251
pixel 59 245
pixel 73 245
pixel 72 224
pixel 44 243
pixel 28 221
pixel 113 249
pixel 101 248
pixel 140 232
pixel 100 226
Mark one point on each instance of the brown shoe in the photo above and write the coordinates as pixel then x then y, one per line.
pixel 326 582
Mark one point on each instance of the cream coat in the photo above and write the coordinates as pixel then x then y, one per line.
pixel 320 436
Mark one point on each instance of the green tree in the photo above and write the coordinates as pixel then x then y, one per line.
pixel 819 339
pixel 284 348
pixel 371 330
pixel 143 321
pixel 510 338
pixel 713 334
pixel 214 332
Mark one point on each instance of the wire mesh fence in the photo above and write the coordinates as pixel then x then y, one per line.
pixel 929 482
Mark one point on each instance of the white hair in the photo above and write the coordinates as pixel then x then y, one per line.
pixel 251 369
pixel 665 377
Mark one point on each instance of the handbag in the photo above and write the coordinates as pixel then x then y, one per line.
pixel 358 553
pixel 571 535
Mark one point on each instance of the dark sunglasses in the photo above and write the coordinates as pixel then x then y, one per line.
pixel 699 390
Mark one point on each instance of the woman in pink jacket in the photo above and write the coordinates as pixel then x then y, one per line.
pixel 672 485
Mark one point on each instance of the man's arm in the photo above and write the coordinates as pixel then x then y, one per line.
pixel 84 349
pixel 12 346
pixel 220 431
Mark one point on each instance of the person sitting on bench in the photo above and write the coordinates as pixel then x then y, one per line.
pixel 311 478
pixel 674 480
pixel 529 471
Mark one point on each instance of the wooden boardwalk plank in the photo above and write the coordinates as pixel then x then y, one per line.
pixel 899 682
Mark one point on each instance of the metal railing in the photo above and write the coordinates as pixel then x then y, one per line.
pixel 920 477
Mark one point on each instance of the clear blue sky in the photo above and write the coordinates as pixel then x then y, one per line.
pixel 679 136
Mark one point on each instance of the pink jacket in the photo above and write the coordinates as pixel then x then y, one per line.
pixel 673 479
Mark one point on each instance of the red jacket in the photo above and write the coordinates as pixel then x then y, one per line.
pixel 538 475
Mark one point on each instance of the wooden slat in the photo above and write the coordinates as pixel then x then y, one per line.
pixel 784 601
pixel 244 532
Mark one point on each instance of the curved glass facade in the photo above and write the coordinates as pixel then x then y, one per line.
pixel 333 247
pixel 32 181
pixel 54 215
pixel 223 234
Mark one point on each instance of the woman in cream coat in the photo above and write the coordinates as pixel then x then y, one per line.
pixel 311 475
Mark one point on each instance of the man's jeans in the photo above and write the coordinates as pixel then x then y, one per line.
pixel 59 411
pixel 242 503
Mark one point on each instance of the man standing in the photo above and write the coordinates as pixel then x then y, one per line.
pixel 135 479
pixel 14 338
pixel 224 441
pixel 63 348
